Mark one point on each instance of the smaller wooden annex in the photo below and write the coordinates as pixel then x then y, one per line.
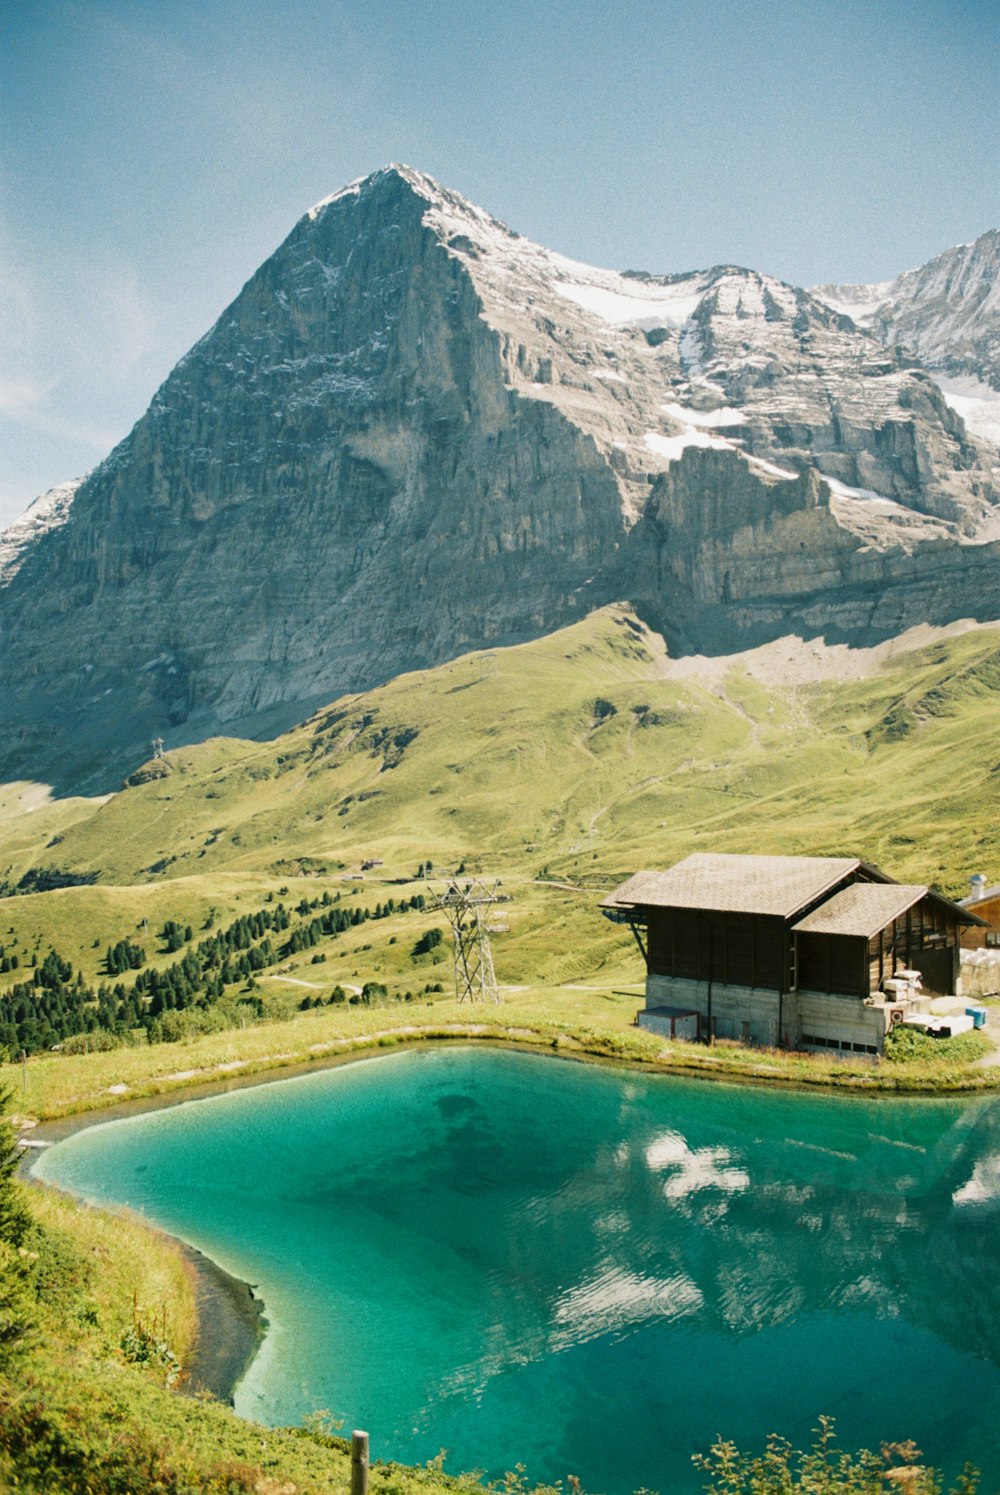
pixel 984 902
pixel 795 952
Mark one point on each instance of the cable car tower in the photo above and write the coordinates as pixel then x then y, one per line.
pixel 467 908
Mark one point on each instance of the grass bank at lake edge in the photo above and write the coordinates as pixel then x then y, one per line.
pixel 80 1414
pixel 572 1020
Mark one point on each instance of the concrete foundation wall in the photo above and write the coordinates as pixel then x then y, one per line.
pixel 838 1022
pixel 811 1020
pixel 748 1014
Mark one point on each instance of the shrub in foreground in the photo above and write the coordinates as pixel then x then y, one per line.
pixel 824 1469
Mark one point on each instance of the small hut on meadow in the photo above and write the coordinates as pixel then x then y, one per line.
pixel 801 952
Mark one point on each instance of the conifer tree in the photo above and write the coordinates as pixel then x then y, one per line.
pixel 14 1217
pixel 17 1297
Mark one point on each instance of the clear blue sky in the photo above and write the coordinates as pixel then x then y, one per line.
pixel 156 151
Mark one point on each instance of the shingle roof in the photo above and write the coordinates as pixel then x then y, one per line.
pixel 862 909
pixel 739 884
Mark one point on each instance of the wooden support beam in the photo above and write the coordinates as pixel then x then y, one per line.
pixel 638 939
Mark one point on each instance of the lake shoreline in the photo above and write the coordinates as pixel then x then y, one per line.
pixel 232 1321
pixel 231 1328
pixel 231 1318
pixel 768 1070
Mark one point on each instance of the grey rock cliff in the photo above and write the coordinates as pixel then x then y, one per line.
pixel 947 311
pixel 415 433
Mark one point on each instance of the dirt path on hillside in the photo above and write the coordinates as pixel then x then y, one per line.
pixel 316 985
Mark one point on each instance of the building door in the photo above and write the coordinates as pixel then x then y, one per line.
pixel 937 969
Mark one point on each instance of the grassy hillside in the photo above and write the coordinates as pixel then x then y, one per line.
pixel 574 759
pixel 587 753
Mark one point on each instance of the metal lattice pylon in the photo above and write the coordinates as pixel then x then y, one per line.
pixel 467 907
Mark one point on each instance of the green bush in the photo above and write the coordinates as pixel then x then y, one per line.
pixel 17 1262
pixel 17 1300
pixel 905 1045
pixel 824 1470
pixel 15 1221
pixel 145 1343
pixel 100 1041
pixel 428 941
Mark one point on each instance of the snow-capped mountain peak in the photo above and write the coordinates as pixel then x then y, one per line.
pixel 48 512
pixel 416 433
pixel 947 314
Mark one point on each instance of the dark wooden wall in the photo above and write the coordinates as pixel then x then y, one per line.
pixel 836 963
pixel 759 950
pixel 925 939
pixel 737 949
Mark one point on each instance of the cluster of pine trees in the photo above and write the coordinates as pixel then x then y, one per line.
pixel 175 935
pixel 125 956
pixel 337 920
pixel 52 1006
pixel 56 1005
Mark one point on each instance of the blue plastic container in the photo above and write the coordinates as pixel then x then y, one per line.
pixel 978 1016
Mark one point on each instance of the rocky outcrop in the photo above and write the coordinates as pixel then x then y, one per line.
pixel 414 433
pixel 946 313
pixel 746 558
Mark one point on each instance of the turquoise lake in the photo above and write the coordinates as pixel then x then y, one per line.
pixel 585 1270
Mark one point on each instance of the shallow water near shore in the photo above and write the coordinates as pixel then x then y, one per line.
pixel 585 1270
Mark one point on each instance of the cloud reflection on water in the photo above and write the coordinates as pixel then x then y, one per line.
pixel 694 1169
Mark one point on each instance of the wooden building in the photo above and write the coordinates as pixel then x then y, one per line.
pixel 801 952
pixel 984 902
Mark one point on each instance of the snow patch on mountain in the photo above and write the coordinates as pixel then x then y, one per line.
pixel 859 302
pixel 787 474
pixel 844 490
pixel 644 305
pixel 707 418
pixel 671 447
pixel 976 403
pixel 351 190
pixel 49 512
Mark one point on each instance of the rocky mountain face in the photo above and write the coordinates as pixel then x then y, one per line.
pixel 415 433
pixel 947 314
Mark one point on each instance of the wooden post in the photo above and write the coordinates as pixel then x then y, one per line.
pixel 359 1463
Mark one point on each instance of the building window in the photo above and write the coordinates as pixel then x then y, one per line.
pixel 820 1041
